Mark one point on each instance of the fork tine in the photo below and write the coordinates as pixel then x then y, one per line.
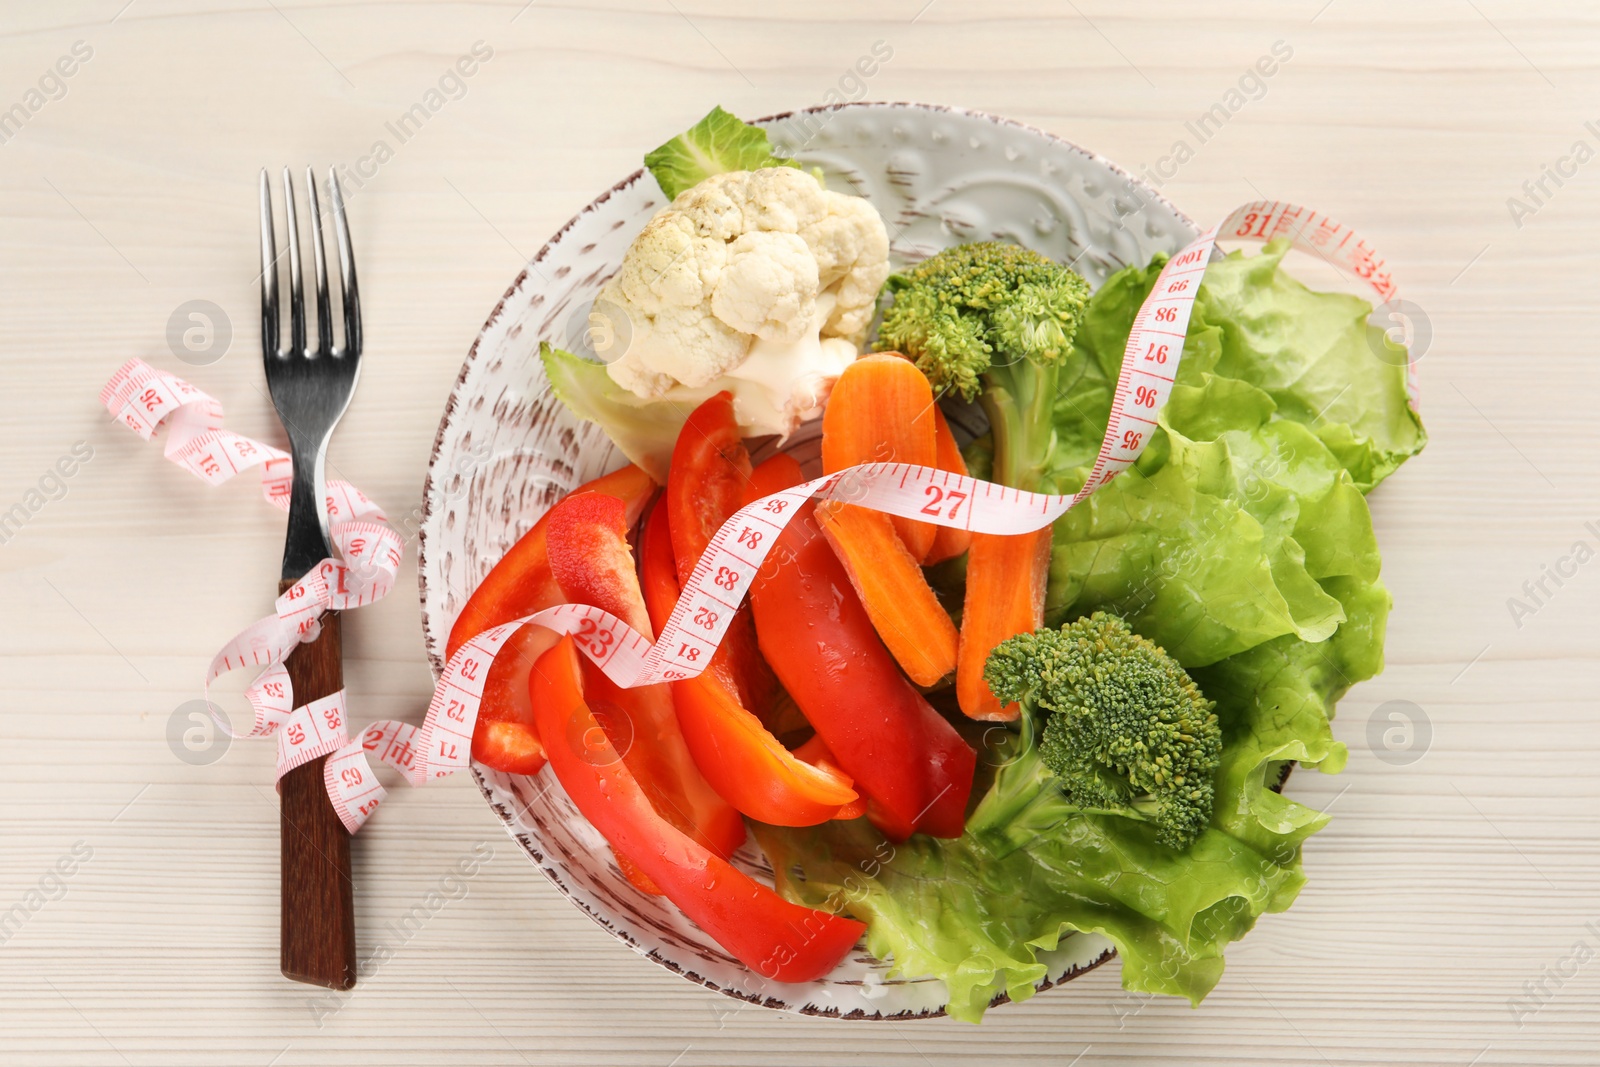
pixel 269 272
pixel 319 262
pixel 297 295
pixel 350 295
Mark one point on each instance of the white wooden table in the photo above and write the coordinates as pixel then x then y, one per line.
pixel 1443 890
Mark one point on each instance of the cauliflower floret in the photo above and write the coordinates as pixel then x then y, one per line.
pixel 779 385
pixel 680 344
pixel 852 253
pixel 715 207
pixel 784 199
pixel 775 199
pixel 769 287
pixel 668 265
pixel 749 267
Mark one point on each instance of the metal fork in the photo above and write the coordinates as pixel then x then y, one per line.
pixel 311 388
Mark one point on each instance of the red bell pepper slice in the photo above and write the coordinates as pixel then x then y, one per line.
pixel 521 584
pixel 504 737
pixel 816 753
pixel 779 940
pixel 911 765
pixel 783 716
pixel 658 571
pixel 589 556
pixel 773 475
pixel 739 756
pixel 749 766
pixel 591 560
pixel 708 482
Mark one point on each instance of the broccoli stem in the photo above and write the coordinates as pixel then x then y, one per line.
pixel 1021 784
pixel 1019 789
pixel 1018 761
pixel 1019 398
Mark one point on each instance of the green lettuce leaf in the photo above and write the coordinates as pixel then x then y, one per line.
pixel 1216 546
pixel 717 143
pixel 978 911
pixel 1315 354
pixel 1242 543
pixel 1217 539
pixel 1318 357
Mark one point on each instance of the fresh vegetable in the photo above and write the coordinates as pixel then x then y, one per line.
pixel 658 570
pixel 587 538
pixel 758 281
pixel 777 939
pixel 1318 356
pixel 733 748
pixel 995 321
pixel 1230 529
pixel 507 742
pixel 1238 553
pixel 897 598
pixel 709 479
pixel 1006 575
pixel 949 541
pixel 750 767
pixel 1126 731
pixel 755 279
pixel 882 411
pixel 1220 545
pixel 776 473
pixel 773 475
pixel 644 431
pixel 718 143
pixel 816 752
pixel 779 471
pixel 912 766
pixel 589 557
pixel 930 905
pixel 521 584
pixel 992 321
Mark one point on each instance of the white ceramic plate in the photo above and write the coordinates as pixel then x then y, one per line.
pixel 507 450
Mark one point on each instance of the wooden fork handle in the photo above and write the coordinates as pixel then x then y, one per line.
pixel 317 900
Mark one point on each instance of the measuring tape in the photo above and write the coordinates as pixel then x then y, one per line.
pixel 364 570
pixel 737 554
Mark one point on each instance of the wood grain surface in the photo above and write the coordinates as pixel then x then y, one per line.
pixel 1450 916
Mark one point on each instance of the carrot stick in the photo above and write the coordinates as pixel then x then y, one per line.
pixel 949 542
pixel 881 410
pixel 901 605
pixel 1006 576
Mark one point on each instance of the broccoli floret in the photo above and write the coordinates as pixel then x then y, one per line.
pixel 1125 728
pixel 999 319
